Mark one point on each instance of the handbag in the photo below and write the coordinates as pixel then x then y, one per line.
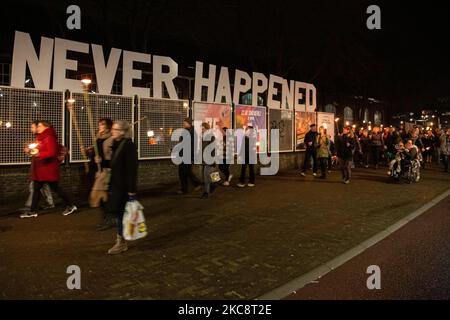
pixel 214 176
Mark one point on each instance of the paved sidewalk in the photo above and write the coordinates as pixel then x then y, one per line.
pixel 239 244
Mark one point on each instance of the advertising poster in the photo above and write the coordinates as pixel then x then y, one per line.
pixel 326 119
pixel 283 121
pixel 217 115
pixel 251 116
pixel 302 122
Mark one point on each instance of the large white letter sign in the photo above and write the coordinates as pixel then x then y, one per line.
pixel 273 104
pixel 105 72
pixel 159 77
pixel 240 87
pixel 311 98
pixel 62 64
pixel 40 68
pixel 287 95
pixel 223 87
pixel 129 74
pixel 201 82
pixel 259 86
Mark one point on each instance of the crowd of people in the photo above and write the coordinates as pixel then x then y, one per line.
pixel 113 167
pixel 377 147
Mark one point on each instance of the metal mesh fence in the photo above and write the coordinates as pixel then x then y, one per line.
pixel 18 108
pixel 282 120
pixel 158 118
pixel 102 106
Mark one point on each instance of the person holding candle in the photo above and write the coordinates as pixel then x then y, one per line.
pixel 46 192
pixel 45 169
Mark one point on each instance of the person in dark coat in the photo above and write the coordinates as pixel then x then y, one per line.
pixel 225 167
pixel 122 187
pixel 344 149
pixel 185 171
pixel 248 145
pixel 311 150
pixel 365 147
pixel 45 169
pixel 377 145
pixel 207 168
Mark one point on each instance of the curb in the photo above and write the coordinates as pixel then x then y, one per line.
pixel 298 283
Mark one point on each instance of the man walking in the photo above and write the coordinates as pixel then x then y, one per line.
pixel 344 146
pixel 185 169
pixel 311 152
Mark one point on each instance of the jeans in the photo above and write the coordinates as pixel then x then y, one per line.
pixel 225 168
pixel 251 169
pixel 346 168
pixel 46 192
pixel 185 173
pixel 38 185
pixel 207 170
pixel 376 152
pixel 365 158
pixel 323 166
pixel 308 155
pixel 117 200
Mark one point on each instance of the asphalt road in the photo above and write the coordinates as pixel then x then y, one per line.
pixel 414 263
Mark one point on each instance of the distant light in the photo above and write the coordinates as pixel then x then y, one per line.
pixel 410 119
pixel 8 125
pixel 161 129
pixel 27 81
pixel 150 133
pixel 337 119
pixel 347 123
pixel 34 104
pixel 431 124
pixel 1 95
pixel 354 126
pixel 86 82
pixel 364 121
pixel 185 104
pixel 71 100
pixel 401 122
pixel 106 101
pixel 324 125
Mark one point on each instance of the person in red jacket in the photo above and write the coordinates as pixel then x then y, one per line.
pixel 46 169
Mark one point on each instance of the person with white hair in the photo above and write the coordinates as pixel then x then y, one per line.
pixel 123 183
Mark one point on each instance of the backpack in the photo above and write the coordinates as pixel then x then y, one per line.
pixel 62 152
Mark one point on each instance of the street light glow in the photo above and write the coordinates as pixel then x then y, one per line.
pixel 86 81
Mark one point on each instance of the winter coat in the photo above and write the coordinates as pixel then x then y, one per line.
pixel 124 165
pixel 365 143
pixel 377 140
pixel 310 137
pixel 323 144
pixel 45 166
pixel 344 151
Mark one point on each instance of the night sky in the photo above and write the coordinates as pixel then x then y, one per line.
pixel 324 42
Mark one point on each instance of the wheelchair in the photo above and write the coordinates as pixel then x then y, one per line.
pixel 404 169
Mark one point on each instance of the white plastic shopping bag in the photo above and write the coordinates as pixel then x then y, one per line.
pixel 134 226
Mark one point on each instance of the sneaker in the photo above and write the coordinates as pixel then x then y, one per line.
pixel 69 210
pixel 347 181
pixel 226 184
pixel 119 247
pixel 251 184
pixel 48 207
pixel 204 196
pixel 230 177
pixel 302 174
pixel 241 185
pixel 29 214
pixel 315 174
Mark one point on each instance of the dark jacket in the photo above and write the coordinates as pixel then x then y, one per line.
pixel 311 137
pixel 377 140
pixel 246 148
pixel 124 165
pixel 343 150
pixel 365 143
pixel 45 166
